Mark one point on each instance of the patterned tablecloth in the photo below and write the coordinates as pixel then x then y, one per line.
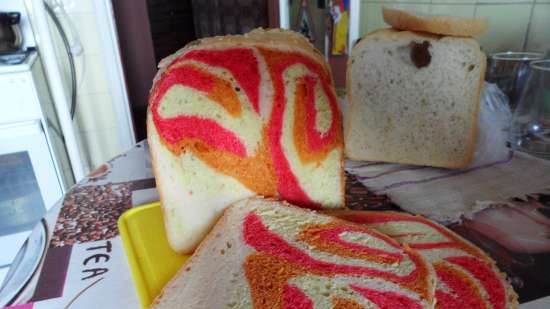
pixel 85 265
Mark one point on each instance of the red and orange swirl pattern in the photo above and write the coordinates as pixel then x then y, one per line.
pixel 466 277
pixel 277 127
pixel 320 262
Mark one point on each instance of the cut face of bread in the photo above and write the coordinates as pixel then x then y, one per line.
pixel 443 25
pixel 265 254
pixel 466 277
pixel 413 99
pixel 237 116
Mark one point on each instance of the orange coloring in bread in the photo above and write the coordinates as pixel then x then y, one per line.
pixel 267 170
pixel 255 172
pixel 456 273
pixel 267 275
pixel 327 238
pixel 344 303
pixel 278 62
pixel 276 262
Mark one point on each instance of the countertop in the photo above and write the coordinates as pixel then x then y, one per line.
pixel 85 266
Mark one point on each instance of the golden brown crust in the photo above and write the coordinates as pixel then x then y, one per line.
pixel 343 179
pixel 149 122
pixel 392 34
pixel 281 39
pixel 443 25
pixel 210 237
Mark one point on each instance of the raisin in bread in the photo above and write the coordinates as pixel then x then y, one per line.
pixel 466 276
pixel 413 99
pixel 266 254
pixel 236 116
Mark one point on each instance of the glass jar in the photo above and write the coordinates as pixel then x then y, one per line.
pixel 530 129
pixel 509 71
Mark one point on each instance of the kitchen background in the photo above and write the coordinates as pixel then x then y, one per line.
pixel 514 25
pixel 116 44
pixel 96 123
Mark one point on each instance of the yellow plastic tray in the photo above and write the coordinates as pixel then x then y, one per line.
pixel 152 262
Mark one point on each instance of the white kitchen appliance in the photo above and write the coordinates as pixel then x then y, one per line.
pixel 32 178
pixel 41 155
pixel 40 152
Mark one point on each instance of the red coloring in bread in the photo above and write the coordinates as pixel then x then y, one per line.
pixel 212 143
pixel 267 171
pixel 241 62
pixel 387 299
pixel 209 132
pixel 176 129
pixel 294 298
pixel 453 240
pixel 277 62
pixel 484 274
pixel 463 294
pixel 473 262
pixel 314 146
pixel 277 261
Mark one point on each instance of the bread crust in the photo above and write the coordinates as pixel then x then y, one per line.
pixel 392 34
pixel 210 237
pixel 280 39
pixel 444 25
pixel 158 180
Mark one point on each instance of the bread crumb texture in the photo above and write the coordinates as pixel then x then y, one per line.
pixel 466 276
pixel 207 101
pixel 237 116
pixel 306 260
pixel 414 99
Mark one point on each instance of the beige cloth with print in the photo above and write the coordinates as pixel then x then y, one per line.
pixel 446 195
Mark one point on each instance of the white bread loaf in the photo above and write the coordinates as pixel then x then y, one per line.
pixel 266 254
pixel 466 276
pixel 237 116
pixel 436 24
pixel 413 99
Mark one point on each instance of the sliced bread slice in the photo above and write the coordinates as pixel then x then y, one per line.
pixel 466 277
pixel 237 116
pixel 413 99
pixel 266 254
pixel 436 24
